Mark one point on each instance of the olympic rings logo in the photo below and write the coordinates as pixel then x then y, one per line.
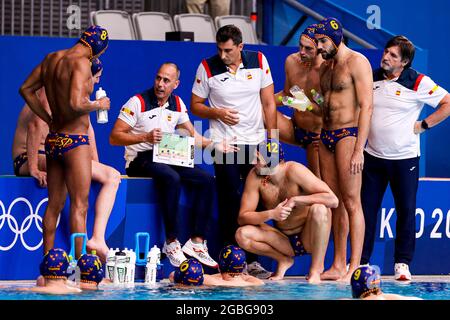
pixel 13 224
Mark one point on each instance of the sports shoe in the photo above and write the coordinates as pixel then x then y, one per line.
pixel 402 272
pixel 174 253
pixel 256 269
pixel 199 251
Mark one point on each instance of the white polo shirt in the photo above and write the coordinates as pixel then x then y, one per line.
pixel 143 114
pixel 239 91
pixel 397 104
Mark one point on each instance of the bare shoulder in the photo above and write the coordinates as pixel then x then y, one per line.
pixel 357 60
pixel 292 60
pixel 292 167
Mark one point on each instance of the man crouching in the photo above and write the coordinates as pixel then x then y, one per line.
pixel 298 202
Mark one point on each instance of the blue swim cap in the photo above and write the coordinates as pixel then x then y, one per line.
pixel 96 66
pixel 332 29
pixel 272 152
pixel 91 269
pixel 232 260
pixel 54 264
pixel 96 39
pixel 190 273
pixel 309 33
pixel 365 280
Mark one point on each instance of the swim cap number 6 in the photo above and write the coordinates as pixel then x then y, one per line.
pixel 334 25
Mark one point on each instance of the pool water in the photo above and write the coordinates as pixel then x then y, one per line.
pixel 290 289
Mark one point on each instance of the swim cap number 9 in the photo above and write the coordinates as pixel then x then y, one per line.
pixel 104 35
pixel 334 24
pixel 357 274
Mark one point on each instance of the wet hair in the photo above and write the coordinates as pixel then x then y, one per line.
pixel 173 65
pixel 406 47
pixel 230 31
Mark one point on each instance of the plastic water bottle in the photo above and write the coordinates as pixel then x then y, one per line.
pixel 131 266
pixel 317 97
pixel 151 268
pixel 110 263
pixel 120 267
pixel 102 115
pixel 302 103
pixel 294 103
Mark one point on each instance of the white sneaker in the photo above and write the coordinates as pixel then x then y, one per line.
pixel 174 253
pixel 256 269
pixel 199 251
pixel 402 272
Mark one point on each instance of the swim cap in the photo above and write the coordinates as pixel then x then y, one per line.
pixel 272 152
pixel 54 264
pixel 91 269
pixel 96 66
pixel 332 29
pixel 96 39
pixel 232 260
pixel 190 273
pixel 365 280
pixel 309 33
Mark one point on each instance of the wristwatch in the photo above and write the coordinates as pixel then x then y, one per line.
pixel 424 125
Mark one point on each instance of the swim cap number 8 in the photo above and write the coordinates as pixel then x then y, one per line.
pixel 334 24
pixel 104 35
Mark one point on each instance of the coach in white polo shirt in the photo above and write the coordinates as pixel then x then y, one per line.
pixel 239 87
pixel 393 149
pixel 139 126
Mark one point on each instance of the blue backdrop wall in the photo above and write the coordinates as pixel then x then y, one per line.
pixel 425 23
pixel 129 68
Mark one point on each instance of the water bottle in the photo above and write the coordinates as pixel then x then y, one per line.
pixel 317 97
pixel 151 268
pixel 102 115
pixel 110 263
pixel 302 103
pixel 294 103
pixel 131 266
pixel 120 267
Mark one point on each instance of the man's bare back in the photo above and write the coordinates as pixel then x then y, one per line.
pixel 59 69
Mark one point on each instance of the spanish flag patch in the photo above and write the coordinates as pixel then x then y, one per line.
pixel 433 90
pixel 397 93
pixel 126 110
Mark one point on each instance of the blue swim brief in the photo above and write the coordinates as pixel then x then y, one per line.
pixel 297 245
pixel 331 137
pixel 56 144
pixel 20 160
